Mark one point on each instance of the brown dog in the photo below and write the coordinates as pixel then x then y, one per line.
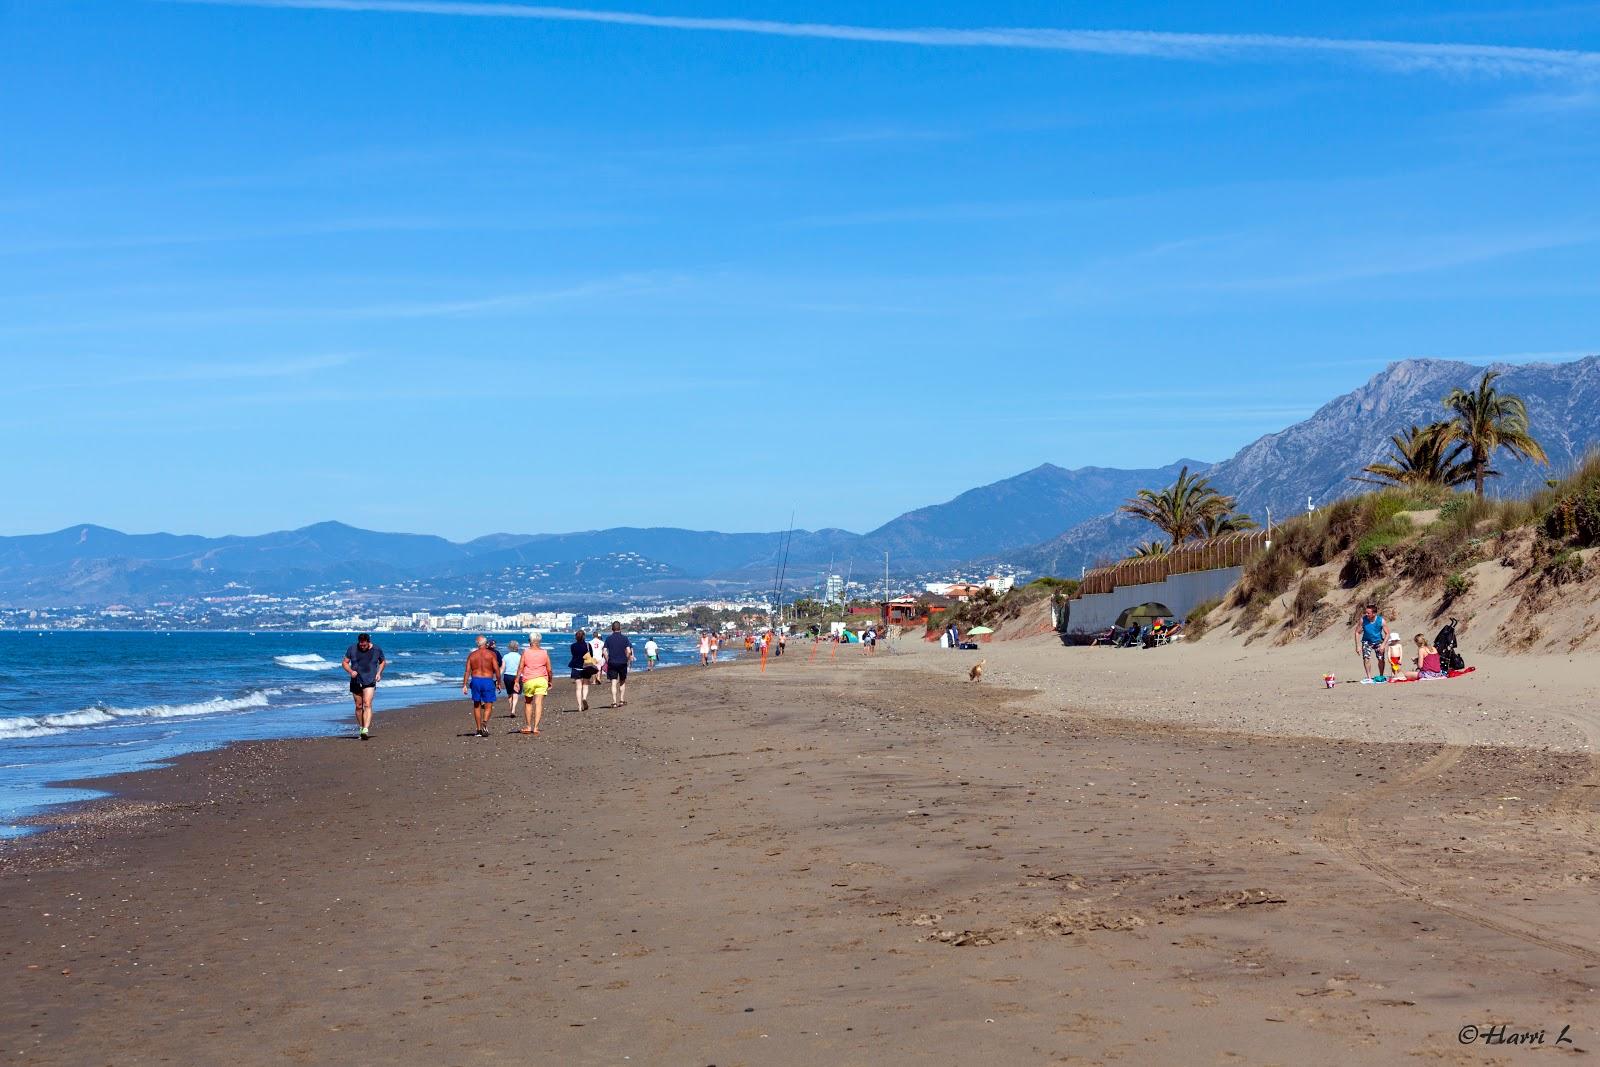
pixel 976 672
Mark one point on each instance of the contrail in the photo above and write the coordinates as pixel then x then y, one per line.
pixel 1478 59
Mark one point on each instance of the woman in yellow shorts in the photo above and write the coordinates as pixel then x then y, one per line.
pixel 533 678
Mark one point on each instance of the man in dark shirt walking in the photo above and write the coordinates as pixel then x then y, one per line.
pixel 619 654
pixel 364 663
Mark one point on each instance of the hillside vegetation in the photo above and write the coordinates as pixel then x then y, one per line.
pixel 1523 568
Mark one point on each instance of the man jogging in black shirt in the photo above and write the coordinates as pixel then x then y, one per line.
pixel 364 663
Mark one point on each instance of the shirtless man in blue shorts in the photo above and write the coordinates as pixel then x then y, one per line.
pixel 481 680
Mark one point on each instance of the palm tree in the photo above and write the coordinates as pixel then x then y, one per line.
pixel 1148 550
pixel 1487 420
pixel 1226 523
pixel 1423 456
pixel 1181 509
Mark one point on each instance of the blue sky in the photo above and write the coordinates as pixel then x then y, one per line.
pixel 458 269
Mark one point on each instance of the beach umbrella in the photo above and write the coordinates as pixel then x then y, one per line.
pixel 979 631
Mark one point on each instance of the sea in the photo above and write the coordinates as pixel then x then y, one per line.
pixel 78 704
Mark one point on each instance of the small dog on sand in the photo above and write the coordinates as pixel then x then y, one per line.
pixel 976 672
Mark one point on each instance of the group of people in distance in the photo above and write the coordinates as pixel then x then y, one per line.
pixel 708 647
pixel 488 673
pixel 522 674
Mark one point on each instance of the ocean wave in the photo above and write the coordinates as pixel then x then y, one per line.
pixel 254 699
pixel 81 717
pixel 315 688
pixel 405 681
pixel 25 726
pixel 307 662
pixel 22 726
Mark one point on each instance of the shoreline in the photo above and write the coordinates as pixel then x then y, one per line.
pixel 839 862
pixel 65 749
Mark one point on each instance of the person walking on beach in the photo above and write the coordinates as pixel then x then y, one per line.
pixel 619 654
pixel 364 663
pixel 534 678
pixel 481 681
pixel 651 651
pixel 583 667
pixel 716 644
pixel 508 675
pixel 1372 634
pixel 705 649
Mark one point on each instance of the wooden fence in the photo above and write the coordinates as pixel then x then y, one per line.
pixel 1229 550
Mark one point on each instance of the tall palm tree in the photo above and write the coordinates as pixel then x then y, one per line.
pixel 1423 456
pixel 1181 508
pixel 1226 523
pixel 1488 420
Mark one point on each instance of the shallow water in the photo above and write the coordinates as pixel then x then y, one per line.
pixel 76 704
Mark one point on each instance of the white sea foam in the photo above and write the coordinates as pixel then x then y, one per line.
pixel 308 662
pixel 81 717
pixel 406 681
pixel 20 726
pixel 25 726
pixel 312 688
pixel 253 699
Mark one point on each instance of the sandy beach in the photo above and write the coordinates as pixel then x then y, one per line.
pixel 1093 856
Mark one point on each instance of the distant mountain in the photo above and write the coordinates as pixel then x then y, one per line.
pixel 91 565
pixel 1017 511
pixel 1048 519
pixel 1316 458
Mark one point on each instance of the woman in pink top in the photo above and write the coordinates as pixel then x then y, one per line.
pixel 534 677
pixel 1427 659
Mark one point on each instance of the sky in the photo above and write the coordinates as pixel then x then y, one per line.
pixel 460 268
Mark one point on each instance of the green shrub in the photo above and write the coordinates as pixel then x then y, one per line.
pixel 1563 567
pixel 1457 586
pixel 1455 506
pixel 1309 596
pixel 1061 585
pixel 1268 574
pixel 1198 622
pixel 1571 508
pixel 1368 560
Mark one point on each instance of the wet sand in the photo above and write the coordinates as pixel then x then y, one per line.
pixel 832 862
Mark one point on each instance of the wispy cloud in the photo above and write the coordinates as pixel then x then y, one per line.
pixel 295 230
pixel 509 304
pixel 220 370
pixel 1479 59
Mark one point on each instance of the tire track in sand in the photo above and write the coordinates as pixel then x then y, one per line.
pixel 1339 827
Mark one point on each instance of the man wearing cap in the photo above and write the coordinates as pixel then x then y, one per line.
pixel 364 663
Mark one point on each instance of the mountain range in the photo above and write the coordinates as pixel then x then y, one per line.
pixel 1049 519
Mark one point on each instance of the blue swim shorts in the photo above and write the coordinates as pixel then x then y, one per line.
pixel 482 690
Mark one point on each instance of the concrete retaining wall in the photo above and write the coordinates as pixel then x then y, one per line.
pixel 1180 593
